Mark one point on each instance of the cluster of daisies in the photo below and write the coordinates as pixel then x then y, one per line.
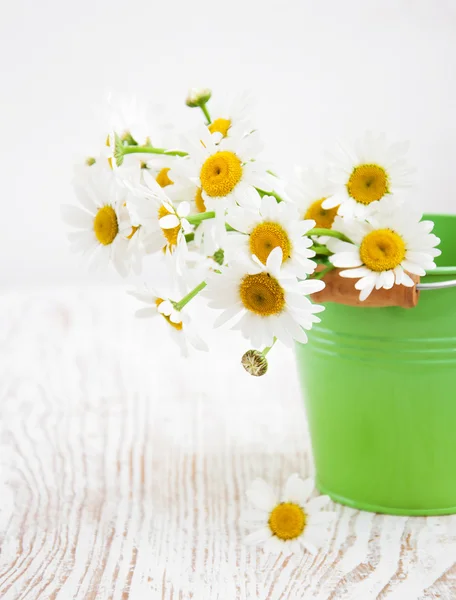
pixel 208 206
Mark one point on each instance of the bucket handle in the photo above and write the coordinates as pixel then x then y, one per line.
pixel 437 285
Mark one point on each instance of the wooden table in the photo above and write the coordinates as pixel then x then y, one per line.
pixel 124 468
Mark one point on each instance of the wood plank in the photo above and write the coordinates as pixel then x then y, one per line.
pixel 124 468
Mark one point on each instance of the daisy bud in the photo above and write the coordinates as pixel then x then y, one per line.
pixel 219 256
pixel 90 161
pixel 255 363
pixel 198 96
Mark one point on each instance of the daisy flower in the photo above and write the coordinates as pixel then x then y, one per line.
pixel 290 524
pixel 272 225
pixel 163 225
pixel 308 192
pixel 103 225
pixel 226 171
pixel 366 175
pixel 390 244
pixel 180 325
pixel 265 302
pixel 234 121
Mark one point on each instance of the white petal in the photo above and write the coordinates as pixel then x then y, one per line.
pixel 321 518
pixel 346 259
pixel 259 536
pixel 169 222
pixel 413 268
pixel 261 495
pixel 228 314
pixel 76 217
pixel 365 293
pixel 253 515
pixel 355 273
pixel 183 209
pixel 298 490
pixel 165 308
pixel 274 260
pixel 316 504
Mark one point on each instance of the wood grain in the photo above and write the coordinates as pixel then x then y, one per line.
pixel 123 470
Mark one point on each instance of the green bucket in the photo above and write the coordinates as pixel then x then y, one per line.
pixel 380 389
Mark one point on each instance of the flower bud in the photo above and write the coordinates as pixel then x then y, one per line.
pixel 219 256
pixel 255 363
pixel 198 96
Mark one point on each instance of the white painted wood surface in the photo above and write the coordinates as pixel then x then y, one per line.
pixel 123 470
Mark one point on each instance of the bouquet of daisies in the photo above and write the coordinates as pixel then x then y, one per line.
pixel 261 247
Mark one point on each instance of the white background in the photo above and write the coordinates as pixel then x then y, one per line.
pixel 321 71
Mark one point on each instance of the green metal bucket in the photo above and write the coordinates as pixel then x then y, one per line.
pixel 380 389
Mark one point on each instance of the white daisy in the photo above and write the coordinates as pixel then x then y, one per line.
pixel 137 121
pixel 272 225
pixel 265 302
pixel 366 175
pixel 103 224
pixel 163 225
pixel 390 244
pixel 308 191
pixel 181 327
pixel 233 121
pixel 226 171
pixel 290 524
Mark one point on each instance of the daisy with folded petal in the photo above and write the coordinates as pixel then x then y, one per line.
pixel 290 524
pixel 163 225
pixel 233 121
pixel 308 192
pixel 363 177
pixel 103 225
pixel 265 302
pixel 180 324
pixel 386 248
pixel 272 225
pixel 225 171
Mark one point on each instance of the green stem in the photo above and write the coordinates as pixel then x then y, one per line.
pixel 189 237
pixel 321 250
pixel 321 274
pixel 196 219
pixel 206 113
pixel 265 351
pixel 151 150
pixel 273 194
pixel 186 299
pixel 329 233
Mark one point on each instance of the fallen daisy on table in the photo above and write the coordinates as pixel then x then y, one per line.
pixel 294 523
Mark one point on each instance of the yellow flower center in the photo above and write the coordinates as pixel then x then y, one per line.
pixel 162 178
pixel 169 234
pixel 265 237
pixel 200 206
pixel 382 250
pixel 177 326
pixel 323 217
pixel 220 173
pixel 220 126
pixel 262 294
pixel 105 225
pixel 368 183
pixel 287 521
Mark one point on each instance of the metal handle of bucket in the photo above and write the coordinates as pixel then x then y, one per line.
pixel 437 285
